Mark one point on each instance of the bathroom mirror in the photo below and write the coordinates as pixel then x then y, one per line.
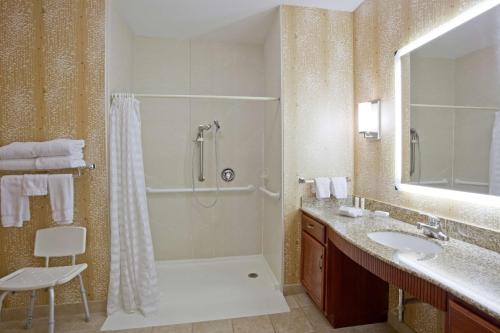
pixel 448 106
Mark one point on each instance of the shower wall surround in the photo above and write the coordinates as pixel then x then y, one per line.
pixel 272 214
pixel 182 229
pixel 317 48
pixel 52 85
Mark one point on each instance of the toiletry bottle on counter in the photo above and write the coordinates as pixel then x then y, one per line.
pixel 362 203
pixel 356 202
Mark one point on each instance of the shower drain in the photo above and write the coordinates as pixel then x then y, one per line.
pixel 253 275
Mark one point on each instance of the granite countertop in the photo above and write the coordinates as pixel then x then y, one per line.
pixel 469 272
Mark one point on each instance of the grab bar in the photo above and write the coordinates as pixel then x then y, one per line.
pixel 431 182
pixel 249 188
pixel 274 195
pixel 467 182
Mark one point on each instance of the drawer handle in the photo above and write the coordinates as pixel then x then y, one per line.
pixel 310 226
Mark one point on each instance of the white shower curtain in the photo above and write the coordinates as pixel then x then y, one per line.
pixel 133 280
pixel 495 157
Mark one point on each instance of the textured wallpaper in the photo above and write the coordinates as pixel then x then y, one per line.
pixel 317 94
pixel 380 28
pixel 51 86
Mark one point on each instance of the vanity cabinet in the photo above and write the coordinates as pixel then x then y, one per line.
pixel 313 259
pixel 460 319
pixel 351 286
pixel 336 283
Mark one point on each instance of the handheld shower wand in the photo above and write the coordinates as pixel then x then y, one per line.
pixel 200 140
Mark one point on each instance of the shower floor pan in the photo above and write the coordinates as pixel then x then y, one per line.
pixel 208 289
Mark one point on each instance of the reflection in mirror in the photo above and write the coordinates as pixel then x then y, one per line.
pixel 453 99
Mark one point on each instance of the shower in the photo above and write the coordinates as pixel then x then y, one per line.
pixel 200 142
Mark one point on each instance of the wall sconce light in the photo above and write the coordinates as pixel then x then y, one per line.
pixel 369 119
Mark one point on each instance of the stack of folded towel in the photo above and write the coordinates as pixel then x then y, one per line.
pixel 54 154
pixel 325 186
pixel 15 190
pixel 350 211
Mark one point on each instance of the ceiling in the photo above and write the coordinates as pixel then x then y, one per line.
pixel 477 34
pixel 245 21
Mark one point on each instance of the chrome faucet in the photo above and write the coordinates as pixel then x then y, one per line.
pixel 433 228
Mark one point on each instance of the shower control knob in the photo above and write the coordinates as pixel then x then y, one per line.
pixel 227 175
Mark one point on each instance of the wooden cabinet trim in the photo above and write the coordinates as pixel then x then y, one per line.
pixel 461 319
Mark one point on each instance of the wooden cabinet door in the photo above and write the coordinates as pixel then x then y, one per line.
pixel 313 263
pixel 461 320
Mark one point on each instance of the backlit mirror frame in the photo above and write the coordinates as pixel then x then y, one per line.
pixel 398 100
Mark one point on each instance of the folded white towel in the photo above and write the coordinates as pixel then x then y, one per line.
pixel 44 163
pixel 35 185
pixel 57 147
pixel 61 198
pixel 339 187
pixel 322 187
pixel 14 206
pixel 19 164
pixel 350 211
pixel 59 162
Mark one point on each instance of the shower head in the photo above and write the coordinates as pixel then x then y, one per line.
pixel 202 128
pixel 217 125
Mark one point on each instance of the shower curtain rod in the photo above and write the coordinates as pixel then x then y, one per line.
pixel 247 98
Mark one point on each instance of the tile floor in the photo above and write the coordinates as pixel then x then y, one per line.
pixel 303 318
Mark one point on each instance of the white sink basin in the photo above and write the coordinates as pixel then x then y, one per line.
pixel 404 242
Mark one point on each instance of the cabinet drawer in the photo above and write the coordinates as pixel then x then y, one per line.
pixel 314 228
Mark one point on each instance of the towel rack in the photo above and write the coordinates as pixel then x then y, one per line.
pixel 87 166
pixel 302 180
pixel 274 195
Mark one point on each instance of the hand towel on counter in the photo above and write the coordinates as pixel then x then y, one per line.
pixel 14 206
pixel 18 164
pixel 35 185
pixel 339 187
pixel 322 187
pixel 59 162
pixel 61 197
pixel 350 211
pixel 57 147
